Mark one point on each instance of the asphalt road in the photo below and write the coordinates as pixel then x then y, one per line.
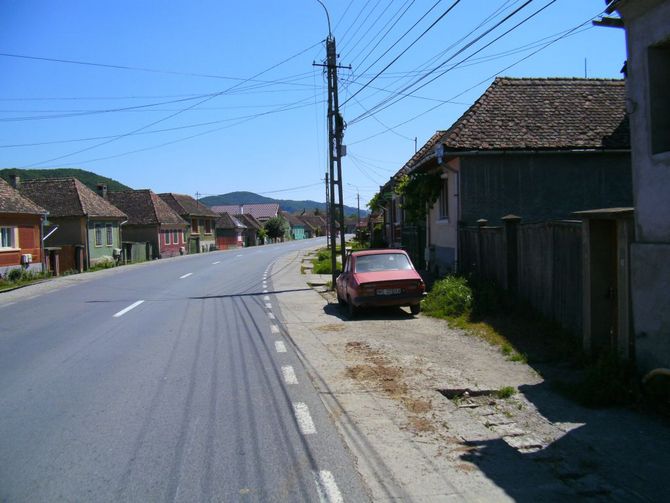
pixel 165 382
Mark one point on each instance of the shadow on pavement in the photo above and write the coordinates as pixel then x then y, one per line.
pixel 609 455
pixel 377 313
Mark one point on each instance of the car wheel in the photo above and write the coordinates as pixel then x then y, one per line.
pixel 340 300
pixel 415 309
pixel 352 310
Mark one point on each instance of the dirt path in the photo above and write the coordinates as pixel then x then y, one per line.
pixel 434 414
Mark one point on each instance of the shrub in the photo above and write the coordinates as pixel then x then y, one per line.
pixel 15 275
pixel 450 297
pixel 505 392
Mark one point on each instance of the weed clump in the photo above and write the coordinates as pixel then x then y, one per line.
pixel 450 297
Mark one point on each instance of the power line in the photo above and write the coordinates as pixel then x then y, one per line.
pixel 132 68
pixel 172 115
pixel 398 16
pixel 456 2
pixel 487 79
pixel 288 106
pixel 391 101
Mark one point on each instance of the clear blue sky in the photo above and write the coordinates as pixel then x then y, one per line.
pixel 266 133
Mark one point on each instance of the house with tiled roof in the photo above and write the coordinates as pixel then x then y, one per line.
pixel 540 149
pixel 296 225
pixel 150 220
pixel 229 232
pixel 201 219
pixel 260 211
pixel 315 225
pixel 252 231
pixel 20 230
pixel 84 225
pixel 391 203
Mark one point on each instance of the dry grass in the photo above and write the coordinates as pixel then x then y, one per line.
pixel 420 425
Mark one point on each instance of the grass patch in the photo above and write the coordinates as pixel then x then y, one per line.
pixel 103 264
pixel 20 277
pixel 506 392
pixel 322 262
pixel 482 310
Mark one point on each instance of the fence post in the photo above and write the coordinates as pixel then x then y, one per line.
pixel 511 237
pixel 481 223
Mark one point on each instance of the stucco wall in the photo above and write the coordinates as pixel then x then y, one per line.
pixel 105 251
pixel 648 23
pixel 540 187
pixel 442 239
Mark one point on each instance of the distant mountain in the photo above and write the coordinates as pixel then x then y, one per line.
pixel 88 178
pixel 284 204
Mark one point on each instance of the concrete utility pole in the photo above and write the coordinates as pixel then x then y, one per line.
pixel 327 207
pixel 335 153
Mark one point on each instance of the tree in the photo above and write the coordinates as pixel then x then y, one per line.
pixel 317 212
pixel 276 227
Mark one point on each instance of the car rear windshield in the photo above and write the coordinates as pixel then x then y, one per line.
pixel 382 262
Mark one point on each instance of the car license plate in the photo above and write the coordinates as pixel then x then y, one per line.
pixel 389 291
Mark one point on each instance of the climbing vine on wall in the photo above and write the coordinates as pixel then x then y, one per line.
pixel 419 191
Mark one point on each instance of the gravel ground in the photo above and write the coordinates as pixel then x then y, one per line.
pixel 418 404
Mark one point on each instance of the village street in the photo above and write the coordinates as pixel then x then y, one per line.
pixel 164 381
pixel 235 381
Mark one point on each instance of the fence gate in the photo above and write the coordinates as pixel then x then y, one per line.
pixel 413 241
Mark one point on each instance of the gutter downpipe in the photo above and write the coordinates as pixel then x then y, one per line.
pixel 43 219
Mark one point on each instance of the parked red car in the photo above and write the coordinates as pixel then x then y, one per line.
pixel 379 278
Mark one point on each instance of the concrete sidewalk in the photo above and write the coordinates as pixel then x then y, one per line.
pixel 380 377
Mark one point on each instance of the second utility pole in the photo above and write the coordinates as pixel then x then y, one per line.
pixel 335 154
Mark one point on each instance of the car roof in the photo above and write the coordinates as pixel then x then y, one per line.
pixel 384 251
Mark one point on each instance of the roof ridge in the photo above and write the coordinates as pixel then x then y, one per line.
pixel 76 190
pixel 153 204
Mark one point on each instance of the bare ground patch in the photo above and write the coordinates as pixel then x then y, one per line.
pixel 380 371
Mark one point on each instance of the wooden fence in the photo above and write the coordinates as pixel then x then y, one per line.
pixel 539 262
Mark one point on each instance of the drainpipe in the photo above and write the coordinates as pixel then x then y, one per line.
pixel 88 244
pixel 43 219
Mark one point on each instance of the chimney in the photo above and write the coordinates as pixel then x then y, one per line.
pixel 102 190
pixel 15 180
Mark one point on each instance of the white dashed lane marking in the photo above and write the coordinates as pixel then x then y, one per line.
pixel 268 305
pixel 131 306
pixel 327 488
pixel 289 375
pixel 271 316
pixel 185 275
pixel 280 347
pixel 304 419
pixel 274 329
pixel 217 262
pixel 267 297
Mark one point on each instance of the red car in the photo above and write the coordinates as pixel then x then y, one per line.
pixel 379 278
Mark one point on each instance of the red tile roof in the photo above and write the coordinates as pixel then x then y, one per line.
pixel 11 201
pixel 68 197
pixel 144 207
pixel 261 211
pixel 186 206
pixel 544 114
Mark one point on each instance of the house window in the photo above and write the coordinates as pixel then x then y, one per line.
pixel 110 234
pixel 98 235
pixel 208 226
pixel 659 98
pixel 444 200
pixel 183 239
pixel 194 226
pixel 8 237
pixel 175 237
pixel 166 237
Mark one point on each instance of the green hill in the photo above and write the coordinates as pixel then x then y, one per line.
pixel 288 205
pixel 88 178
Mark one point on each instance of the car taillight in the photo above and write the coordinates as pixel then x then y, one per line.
pixel 368 289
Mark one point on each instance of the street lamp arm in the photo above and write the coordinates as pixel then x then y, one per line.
pixel 327 17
